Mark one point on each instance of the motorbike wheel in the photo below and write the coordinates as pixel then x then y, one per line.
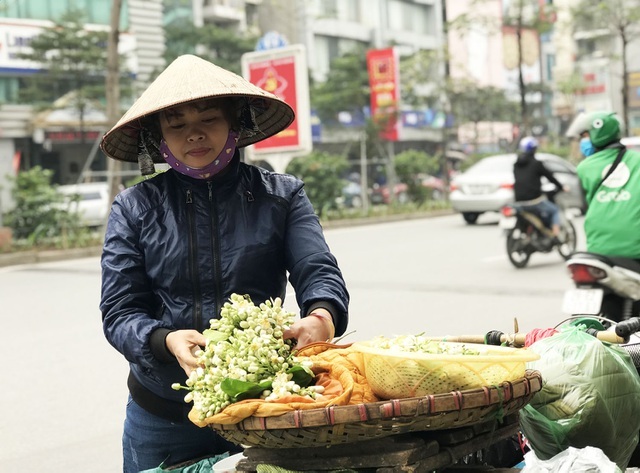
pixel 569 240
pixel 516 249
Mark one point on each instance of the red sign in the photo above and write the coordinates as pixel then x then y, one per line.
pixel 278 76
pixel 71 136
pixel 383 68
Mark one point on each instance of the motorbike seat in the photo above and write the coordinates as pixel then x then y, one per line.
pixel 627 263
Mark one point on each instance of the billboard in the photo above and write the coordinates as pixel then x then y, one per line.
pixel 384 81
pixel 283 72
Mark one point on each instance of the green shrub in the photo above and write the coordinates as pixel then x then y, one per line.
pixel 411 167
pixel 322 174
pixel 40 215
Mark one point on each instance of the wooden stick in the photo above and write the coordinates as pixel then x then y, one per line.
pixel 518 339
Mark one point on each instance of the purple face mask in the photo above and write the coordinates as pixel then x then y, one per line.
pixel 211 169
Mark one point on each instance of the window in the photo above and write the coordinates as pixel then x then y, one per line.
pixel 410 17
pixel 96 11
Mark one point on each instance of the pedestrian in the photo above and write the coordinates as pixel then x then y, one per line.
pixel 178 244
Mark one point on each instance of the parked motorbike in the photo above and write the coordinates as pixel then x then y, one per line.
pixel 527 233
pixel 605 286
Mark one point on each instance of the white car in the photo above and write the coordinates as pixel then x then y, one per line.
pixel 631 142
pixel 487 186
pixel 93 204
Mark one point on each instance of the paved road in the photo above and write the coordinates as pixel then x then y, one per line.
pixel 64 386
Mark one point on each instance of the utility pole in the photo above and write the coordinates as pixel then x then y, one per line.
pixel 113 94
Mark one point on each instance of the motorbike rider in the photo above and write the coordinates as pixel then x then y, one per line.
pixel 612 221
pixel 527 172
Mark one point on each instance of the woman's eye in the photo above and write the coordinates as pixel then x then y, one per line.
pixel 176 127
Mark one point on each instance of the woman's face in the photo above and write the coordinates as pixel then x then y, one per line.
pixel 196 132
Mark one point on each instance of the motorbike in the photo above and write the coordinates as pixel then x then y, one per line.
pixel 604 286
pixel 527 233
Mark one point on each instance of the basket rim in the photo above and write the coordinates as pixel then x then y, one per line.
pixel 432 405
pixel 494 354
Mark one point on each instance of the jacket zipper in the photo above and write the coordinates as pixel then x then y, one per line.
pixel 193 266
pixel 215 251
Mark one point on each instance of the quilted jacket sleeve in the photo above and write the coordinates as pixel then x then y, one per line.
pixel 127 301
pixel 313 269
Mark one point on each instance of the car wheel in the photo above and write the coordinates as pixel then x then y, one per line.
pixel 470 217
pixel 356 202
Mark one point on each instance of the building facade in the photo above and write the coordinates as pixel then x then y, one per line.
pixel 50 138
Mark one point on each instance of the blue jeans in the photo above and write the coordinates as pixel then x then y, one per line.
pixel 149 440
pixel 546 210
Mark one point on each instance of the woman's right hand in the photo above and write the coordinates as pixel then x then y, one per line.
pixel 184 344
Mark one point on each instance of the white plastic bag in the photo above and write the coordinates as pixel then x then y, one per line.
pixel 571 460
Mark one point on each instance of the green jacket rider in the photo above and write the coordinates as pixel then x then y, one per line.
pixel 612 221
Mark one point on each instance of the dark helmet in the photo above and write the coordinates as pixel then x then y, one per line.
pixel 604 129
pixel 528 144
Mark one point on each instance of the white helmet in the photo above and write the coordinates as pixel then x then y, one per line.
pixel 528 144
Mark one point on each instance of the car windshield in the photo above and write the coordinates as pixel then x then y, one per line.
pixel 492 165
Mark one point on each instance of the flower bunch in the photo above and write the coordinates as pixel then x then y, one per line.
pixel 246 357
pixel 421 344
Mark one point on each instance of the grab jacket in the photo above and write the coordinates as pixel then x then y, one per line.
pixel 612 221
pixel 176 248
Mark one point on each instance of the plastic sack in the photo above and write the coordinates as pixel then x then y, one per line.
pixel 590 397
pixel 203 465
pixel 588 459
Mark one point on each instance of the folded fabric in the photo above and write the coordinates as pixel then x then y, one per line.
pixel 338 368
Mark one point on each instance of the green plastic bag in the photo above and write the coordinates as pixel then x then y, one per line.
pixel 204 465
pixel 590 397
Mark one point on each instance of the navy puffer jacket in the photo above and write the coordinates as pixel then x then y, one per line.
pixel 176 248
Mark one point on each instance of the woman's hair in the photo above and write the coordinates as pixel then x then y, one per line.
pixel 228 105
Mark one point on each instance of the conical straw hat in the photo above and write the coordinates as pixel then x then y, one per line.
pixel 191 78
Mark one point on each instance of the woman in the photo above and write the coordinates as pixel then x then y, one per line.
pixel 179 244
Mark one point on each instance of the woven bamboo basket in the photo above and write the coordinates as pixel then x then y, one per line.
pixel 345 424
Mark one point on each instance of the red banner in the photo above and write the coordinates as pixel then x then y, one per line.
pixel 278 76
pixel 384 76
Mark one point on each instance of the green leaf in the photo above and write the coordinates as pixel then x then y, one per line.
pixel 301 375
pixel 238 390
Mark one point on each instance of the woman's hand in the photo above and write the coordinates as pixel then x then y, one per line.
pixel 311 329
pixel 184 344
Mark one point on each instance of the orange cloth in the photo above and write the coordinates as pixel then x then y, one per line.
pixel 338 368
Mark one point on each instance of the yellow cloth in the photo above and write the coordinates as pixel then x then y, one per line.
pixel 338 368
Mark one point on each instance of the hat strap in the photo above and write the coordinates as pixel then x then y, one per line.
pixel 211 169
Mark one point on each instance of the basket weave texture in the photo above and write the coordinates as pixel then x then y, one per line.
pixel 394 375
pixel 345 424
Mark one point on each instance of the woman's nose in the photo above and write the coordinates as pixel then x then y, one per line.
pixel 195 134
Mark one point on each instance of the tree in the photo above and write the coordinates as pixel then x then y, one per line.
pixel 522 17
pixel 112 92
pixel 471 103
pixel 321 173
pixel 621 18
pixel 73 59
pixel 213 43
pixel 346 87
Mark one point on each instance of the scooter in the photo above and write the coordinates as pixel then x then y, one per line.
pixel 527 233
pixel 605 286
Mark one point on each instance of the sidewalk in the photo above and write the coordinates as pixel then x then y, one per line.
pixel 36 256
